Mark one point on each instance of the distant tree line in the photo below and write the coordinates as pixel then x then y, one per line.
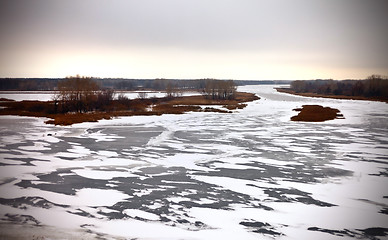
pixel 159 84
pixel 28 84
pixel 50 84
pixel 373 86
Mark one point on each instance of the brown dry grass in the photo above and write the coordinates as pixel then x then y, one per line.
pixel 6 100
pixel 316 113
pixel 72 118
pixel 133 107
pixel 201 100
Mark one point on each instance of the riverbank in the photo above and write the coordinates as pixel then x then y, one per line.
pixel 129 107
pixel 316 95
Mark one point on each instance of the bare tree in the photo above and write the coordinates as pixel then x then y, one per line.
pixel 172 91
pixel 104 99
pixel 219 89
pixel 142 95
pixel 77 94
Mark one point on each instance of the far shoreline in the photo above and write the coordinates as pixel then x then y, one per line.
pixel 316 95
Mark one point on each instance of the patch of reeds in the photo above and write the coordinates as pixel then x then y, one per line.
pixel 316 113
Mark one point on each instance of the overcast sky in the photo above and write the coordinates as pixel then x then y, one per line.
pixel 228 39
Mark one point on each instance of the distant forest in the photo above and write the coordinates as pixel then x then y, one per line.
pixel 374 86
pixel 50 84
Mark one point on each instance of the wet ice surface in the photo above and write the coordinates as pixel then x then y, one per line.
pixel 252 174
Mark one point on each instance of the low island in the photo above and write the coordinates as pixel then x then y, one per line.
pixel 316 113
pixel 374 88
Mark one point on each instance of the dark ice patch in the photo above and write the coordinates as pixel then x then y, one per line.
pixel 304 197
pixel 65 184
pixel 175 182
pixel 297 173
pixel 80 212
pixel 260 227
pixel 370 233
pixel 380 174
pixel 31 201
pixel 341 233
pixel 131 137
pixel 26 161
pixel 20 219
pixel 310 200
pixel 375 231
pixel 384 211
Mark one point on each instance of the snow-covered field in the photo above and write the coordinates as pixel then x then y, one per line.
pixel 252 174
pixel 27 95
pixel 48 95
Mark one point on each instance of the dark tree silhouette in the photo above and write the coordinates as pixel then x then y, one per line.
pixel 375 86
pixel 219 89
pixel 81 94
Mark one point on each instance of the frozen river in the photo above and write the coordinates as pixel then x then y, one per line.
pixel 251 174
